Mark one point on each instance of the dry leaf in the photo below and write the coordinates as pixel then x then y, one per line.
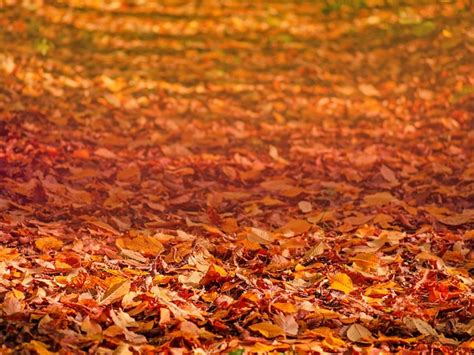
pixel 357 332
pixel 296 226
pixel 305 206
pixel 148 246
pixel 268 330
pixel 116 292
pixel 423 327
pixel 260 236
pixel 389 175
pixel 48 243
pixel 380 199
pixel 285 307
pixel 287 323
pixel 368 90
pixel 342 282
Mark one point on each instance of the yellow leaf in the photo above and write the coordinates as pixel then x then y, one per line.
pixel 116 292
pixel 18 294
pixel 285 307
pixel 8 254
pixel 382 289
pixel 260 348
pixel 366 261
pixel 267 329
pixel 250 296
pixel 357 332
pixel 48 243
pixel 342 282
pixel 220 270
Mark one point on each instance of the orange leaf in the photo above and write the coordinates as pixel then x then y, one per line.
pixel 48 243
pixel 148 246
pixel 296 226
pixel 285 307
pixel 116 292
pixel 268 330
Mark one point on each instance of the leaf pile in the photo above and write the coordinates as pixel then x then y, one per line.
pixel 235 176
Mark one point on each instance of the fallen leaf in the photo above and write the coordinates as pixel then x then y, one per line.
pixel 48 243
pixel 389 175
pixel 380 199
pixel 295 227
pixel 357 332
pixel 342 282
pixel 268 330
pixel 146 245
pixel 305 206
pixel 260 236
pixel 285 307
pixel 423 327
pixel 287 323
pixel 116 292
pixel 368 90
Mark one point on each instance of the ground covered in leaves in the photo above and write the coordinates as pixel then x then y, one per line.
pixel 235 176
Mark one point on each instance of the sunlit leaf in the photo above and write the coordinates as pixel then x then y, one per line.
pixel 342 282
pixel 268 330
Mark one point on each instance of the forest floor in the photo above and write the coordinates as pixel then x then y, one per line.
pixel 235 176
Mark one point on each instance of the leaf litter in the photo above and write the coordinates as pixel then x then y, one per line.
pixel 231 178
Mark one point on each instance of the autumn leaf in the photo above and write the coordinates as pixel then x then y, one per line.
pixel 368 90
pixel 305 206
pixel 423 327
pixel 146 245
pixel 260 236
pixel 389 175
pixel 116 292
pixel 342 282
pixel 380 199
pixel 11 304
pixel 285 307
pixel 48 243
pixel 268 330
pixel 287 323
pixel 8 254
pixel 231 176
pixel 357 332
pixel 296 226
pixel 39 347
